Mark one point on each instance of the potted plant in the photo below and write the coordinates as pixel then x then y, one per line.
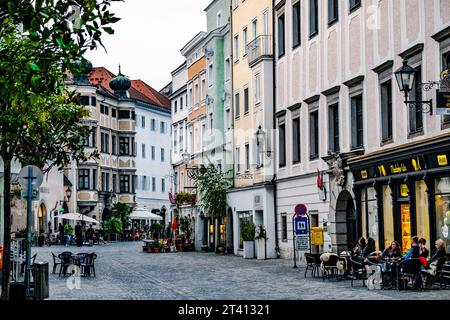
pixel 261 238
pixel 248 237
pixel 156 247
pixel 113 226
pixel 156 230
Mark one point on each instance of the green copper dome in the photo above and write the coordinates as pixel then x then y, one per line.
pixel 81 71
pixel 120 84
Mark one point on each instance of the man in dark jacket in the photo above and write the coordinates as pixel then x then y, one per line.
pixel 61 233
pixel 79 234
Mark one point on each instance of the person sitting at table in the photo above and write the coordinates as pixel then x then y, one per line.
pixel 359 248
pixel 434 264
pixel 423 251
pixel 370 247
pixel 414 252
pixel 393 251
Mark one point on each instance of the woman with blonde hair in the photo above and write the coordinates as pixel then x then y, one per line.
pixel 440 253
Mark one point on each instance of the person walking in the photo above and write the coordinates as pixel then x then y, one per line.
pixel 61 233
pixel 90 235
pixel 79 234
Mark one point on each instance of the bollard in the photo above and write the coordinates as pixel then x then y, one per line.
pixel 41 284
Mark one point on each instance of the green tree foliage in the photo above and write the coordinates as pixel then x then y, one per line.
pixel 122 212
pixel 213 185
pixel 248 230
pixel 40 122
pixel 113 225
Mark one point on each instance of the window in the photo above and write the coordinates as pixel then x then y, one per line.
pixel 227 69
pixel 211 122
pixel 154 184
pixel 143 151
pixel 124 114
pixel 354 4
pixel 124 146
pixel 163 185
pixel 162 127
pixel 219 19
pixel 445 65
pixel 153 125
pixel 114 113
pixel 284 237
pixel 333 11
pixel 313 18
pixel 296 25
pixel 114 145
pixel 357 122
pixel 296 148
pixel 143 122
pixel 282 145
pixel 153 153
pixel 238 158
pixel 203 134
pixel 144 183
pixel 84 100
pixel 236 48
pixel 415 110
pixel 196 97
pixel 175 106
pixel 245 36
pixel 257 88
pixel 333 127
pixel 83 179
pixel 314 135
pixel 94 179
pixel 105 181
pixel 386 111
pixel 104 109
pixel 93 101
pixel 442 200
pixel 247 157
pixel 162 155
pixel 181 103
pixel 114 189
pixel 255 28
pixel 369 214
pixel 281 39
pixel 105 142
pixel 237 105
pixel 190 98
pixel 204 89
pixel 124 184
pixel 246 102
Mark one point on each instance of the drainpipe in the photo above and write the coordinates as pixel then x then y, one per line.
pixel 232 89
pixel 274 182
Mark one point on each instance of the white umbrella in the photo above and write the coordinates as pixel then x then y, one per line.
pixel 77 217
pixel 142 214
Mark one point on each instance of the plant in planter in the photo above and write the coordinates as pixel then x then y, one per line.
pixel 113 226
pixel 156 247
pixel 248 237
pixel 156 229
pixel 261 239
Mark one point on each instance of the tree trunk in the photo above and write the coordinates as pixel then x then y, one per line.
pixel 7 229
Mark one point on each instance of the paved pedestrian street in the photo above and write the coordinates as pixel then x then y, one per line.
pixel 123 271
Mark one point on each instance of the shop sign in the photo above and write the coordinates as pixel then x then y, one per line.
pixel 442 160
pixel 364 174
pixel 404 191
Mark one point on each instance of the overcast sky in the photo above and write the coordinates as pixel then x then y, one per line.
pixel 148 39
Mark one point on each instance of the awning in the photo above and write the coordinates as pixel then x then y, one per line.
pixel 143 214
pixel 77 217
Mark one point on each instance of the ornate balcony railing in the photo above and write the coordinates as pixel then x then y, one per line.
pixel 259 49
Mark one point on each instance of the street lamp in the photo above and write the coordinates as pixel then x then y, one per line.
pixel 191 172
pixel 406 76
pixel 68 194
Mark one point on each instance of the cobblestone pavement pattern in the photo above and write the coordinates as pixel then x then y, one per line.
pixel 124 272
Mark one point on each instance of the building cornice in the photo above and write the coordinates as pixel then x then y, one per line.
pixel 331 91
pixel 354 81
pixel 412 51
pixel 442 35
pixel 384 66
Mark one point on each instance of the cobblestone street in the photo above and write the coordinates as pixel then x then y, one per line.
pixel 124 272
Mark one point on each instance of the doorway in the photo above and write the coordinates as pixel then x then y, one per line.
pixel 347 236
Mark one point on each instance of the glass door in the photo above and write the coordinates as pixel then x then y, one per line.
pixel 406 226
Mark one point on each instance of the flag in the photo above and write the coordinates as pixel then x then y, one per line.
pixel 320 184
pixel 174 224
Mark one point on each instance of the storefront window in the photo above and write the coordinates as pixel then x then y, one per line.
pixel 422 216
pixel 369 211
pixel 244 218
pixel 388 217
pixel 443 210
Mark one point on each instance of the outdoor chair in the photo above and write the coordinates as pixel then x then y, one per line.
pixel 408 270
pixel 311 263
pixel 329 268
pixel 436 278
pixel 88 265
pixel 66 262
pixel 23 266
pixel 358 272
pixel 56 262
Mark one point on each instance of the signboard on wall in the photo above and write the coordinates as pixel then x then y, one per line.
pixel 302 242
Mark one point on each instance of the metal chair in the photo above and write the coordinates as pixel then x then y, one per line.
pixel 310 263
pixel 439 277
pixel 358 272
pixel 55 262
pixel 407 270
pixel 66 262
pixel 329 268
pixel 88 265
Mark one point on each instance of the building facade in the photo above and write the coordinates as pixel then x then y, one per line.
pixel 252 196
pixel 341 111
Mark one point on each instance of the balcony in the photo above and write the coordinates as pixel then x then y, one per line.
pixel 259 49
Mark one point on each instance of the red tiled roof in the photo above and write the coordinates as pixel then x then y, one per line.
pixel 139 90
